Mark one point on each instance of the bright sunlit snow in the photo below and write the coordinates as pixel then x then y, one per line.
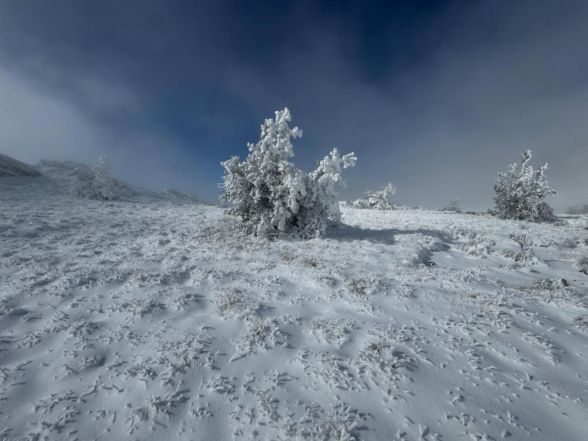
pixel 154 320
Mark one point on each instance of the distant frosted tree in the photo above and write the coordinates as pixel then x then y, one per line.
pixel 97 183
pixel 271 196
pixel 107 187
pixel 378 200
pixel 453 205
pixel 579 209
pixel 520 192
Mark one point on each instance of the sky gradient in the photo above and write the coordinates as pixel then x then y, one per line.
pixel 433 96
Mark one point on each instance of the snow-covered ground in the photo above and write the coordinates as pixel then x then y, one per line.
pixel 127 320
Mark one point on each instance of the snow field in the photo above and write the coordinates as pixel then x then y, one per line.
pixel 123 320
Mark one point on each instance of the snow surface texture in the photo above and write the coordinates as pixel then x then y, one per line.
pixel 123 320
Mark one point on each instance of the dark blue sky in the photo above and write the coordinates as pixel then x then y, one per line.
pixel 434 96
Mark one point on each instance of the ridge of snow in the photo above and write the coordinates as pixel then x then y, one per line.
pixel 12 167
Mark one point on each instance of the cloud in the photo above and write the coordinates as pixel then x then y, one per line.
pixel 35 123
pixel 38 123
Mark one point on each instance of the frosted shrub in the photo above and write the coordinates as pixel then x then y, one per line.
pixel 271 196
pixel 453 205
pixel 379 200
pixel 582 264
pixel 97 183
pixel 580 209
pixel 106 186
pixel 525 252
pixel 520 192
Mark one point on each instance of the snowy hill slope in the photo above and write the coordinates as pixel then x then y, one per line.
pixel 65 172
pixel 11 167
pixel 159 321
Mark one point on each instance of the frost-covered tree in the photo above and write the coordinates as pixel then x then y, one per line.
pixel 106 185
pixel 379 200
pixel 272 196
pixel 97 182
pixel 520 192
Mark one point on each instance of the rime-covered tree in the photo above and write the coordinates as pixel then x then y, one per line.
pixel 379 200
pixel 271 196
pixel 106 185
pixel 520 192
pixel 97 183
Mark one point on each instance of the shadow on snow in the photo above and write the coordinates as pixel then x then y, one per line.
pixel 386 236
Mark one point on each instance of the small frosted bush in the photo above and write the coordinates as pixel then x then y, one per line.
pixel 271 196
pixel 97 183
pixel 580 209
pixel 582 264
pixel 520 192
pixel 453 205
pixel 378 200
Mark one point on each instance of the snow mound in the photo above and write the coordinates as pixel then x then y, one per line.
pixel 11 167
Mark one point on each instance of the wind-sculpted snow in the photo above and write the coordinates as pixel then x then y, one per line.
pixel 123 320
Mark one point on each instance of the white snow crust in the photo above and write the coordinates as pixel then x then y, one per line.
pixel 159 321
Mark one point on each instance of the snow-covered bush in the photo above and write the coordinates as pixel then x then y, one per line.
pixel 520 192
pixel 97 183
pixel 379 200
pixel 582 264
pixel 272 196
pixel 580 209
pixel 453 205
pixel 525 252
